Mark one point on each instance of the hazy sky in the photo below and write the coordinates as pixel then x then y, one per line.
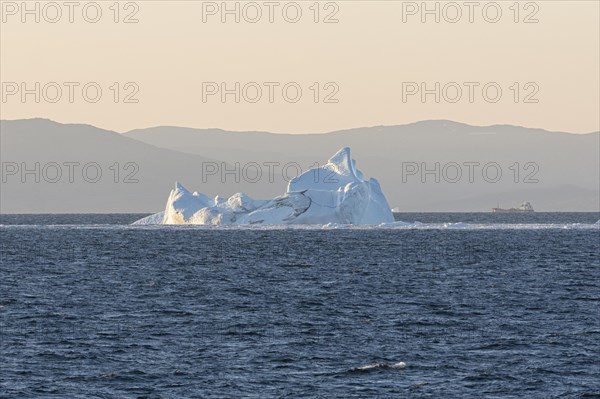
pixel 370 66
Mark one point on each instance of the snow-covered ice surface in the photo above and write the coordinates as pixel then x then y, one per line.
pixel 335 193
pixel 156 218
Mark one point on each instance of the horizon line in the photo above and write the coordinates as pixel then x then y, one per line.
pixel 301 134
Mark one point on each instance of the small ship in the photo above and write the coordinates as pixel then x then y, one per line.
pixel 524 207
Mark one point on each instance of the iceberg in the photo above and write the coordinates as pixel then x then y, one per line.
pixel 156 218
pixel 335 193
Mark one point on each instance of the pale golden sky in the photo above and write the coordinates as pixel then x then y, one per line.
pixel 374 62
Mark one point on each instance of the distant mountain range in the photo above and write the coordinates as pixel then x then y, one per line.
pixel 555 171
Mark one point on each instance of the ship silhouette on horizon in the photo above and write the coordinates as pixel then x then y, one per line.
pixel 524 207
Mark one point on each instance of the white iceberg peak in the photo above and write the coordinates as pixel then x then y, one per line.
pixel 337 172
pixel 333 193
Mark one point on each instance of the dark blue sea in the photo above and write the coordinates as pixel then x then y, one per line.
pixel 455 306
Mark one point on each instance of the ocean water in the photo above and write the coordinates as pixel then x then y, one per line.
pixel 458 305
